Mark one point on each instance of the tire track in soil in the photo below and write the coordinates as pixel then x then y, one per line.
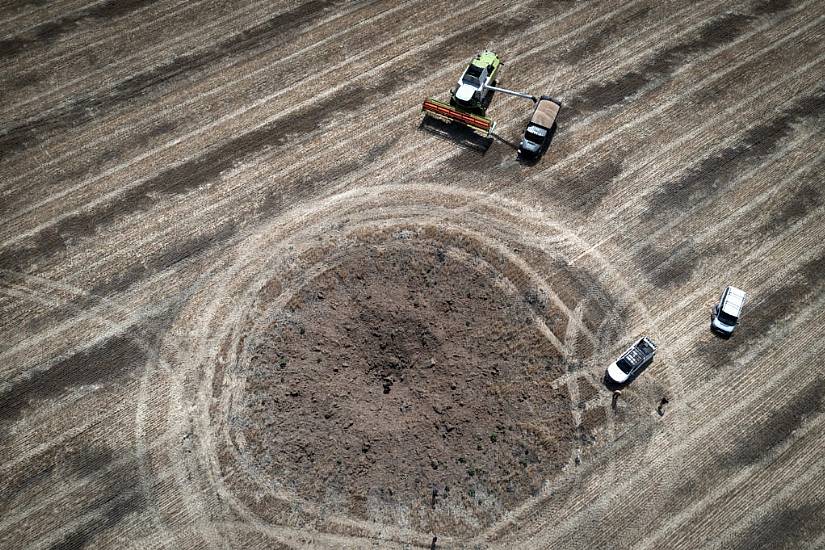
pixel 122 281
pixel 143 85
pixel 143 340
pixel 187 251
pixel 151 132
pixel 755 247
pixel 704 380
pixel 793 527
pixel 688 245
pixel 747 398
pixel 37 13
pixel 708 178
pixel 72 54
pixel 74 489
pixel 84 437
pixel 686 465
pixel 84 366
pixel 702 391
pixel 792 449
pixel 743 476
pixel 757 487
pixel 663 268
pixel 577 153
pixel 603 95
pixel 455 427
pixel 668 60
pixel 762 396
pixel 731 272
pixel 286 536
pixel 118 497
pixel 682 230
pixel 158 117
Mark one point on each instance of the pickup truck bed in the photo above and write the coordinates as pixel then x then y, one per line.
pixel 545 113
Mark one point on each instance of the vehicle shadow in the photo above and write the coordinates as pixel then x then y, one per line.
pixel 456 133
pixel 510 144
pixel 719 334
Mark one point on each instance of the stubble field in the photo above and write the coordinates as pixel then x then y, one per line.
pixel 247 301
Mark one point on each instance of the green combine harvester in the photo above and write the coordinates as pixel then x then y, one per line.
pixel 471 98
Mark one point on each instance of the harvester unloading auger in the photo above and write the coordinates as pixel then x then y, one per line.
pixel 470 100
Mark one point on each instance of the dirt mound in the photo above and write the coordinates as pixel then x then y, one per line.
pixel 406 381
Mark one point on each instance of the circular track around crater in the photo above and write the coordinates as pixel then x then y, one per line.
pixel 388 363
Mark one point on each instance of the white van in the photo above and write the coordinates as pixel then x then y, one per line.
pixel 727 312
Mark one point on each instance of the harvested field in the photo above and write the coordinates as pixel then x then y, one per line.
pixel 248 300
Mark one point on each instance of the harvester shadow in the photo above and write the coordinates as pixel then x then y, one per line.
pixel 456 133
pixel 510 144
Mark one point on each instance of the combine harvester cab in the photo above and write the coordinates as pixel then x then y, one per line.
pixel 474 91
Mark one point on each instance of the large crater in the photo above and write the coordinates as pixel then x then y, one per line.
pixel 392 363
pixel 407 382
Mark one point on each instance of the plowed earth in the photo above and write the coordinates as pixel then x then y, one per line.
pixel 406 359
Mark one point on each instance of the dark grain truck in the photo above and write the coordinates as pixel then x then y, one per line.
pixel 540 129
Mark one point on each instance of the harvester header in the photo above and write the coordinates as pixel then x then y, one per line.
pixel 444 111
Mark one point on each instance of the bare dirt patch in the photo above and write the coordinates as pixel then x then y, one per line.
pixel 406 381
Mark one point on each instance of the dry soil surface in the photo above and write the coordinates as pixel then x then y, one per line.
pixel 248 300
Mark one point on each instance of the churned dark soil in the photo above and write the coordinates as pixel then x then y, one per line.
pixel 404 378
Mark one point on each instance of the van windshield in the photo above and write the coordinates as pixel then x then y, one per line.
pixel 632 359
pixel 727 318
pixel 535 133
pixel 624 365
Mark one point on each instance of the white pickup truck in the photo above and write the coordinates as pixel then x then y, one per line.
pixel 726 313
